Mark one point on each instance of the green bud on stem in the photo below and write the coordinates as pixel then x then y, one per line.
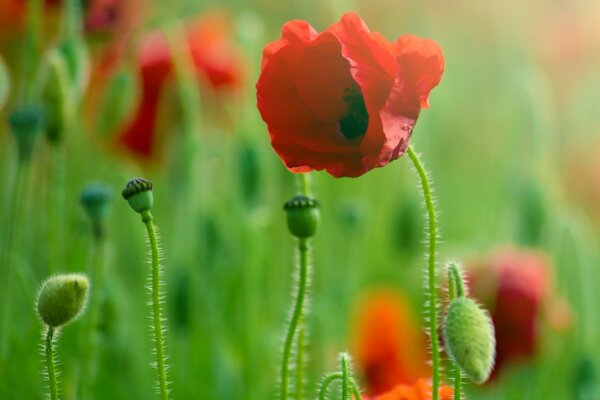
pixel 138 192
pixel 62 298
pixel 303 216
pixel 470 339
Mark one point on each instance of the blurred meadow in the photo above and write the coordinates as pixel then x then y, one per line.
pixel 511 142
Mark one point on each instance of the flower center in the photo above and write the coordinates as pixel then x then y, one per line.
pixel 354 124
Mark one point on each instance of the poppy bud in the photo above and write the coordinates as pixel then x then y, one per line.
pixel 4 84
pixel 61 299
pixel 117 102
pixel 25 123
pixel 532 213
pixel 76 59
pixel 138 193
pixel 57 97
pixel 302 216
pixel 470 339
pixel 94 199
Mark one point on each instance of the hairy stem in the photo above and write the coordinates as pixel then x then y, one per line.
pixel 51 370
pixel 431 273
pixel 455 289
pixel 296 316
pixel 346 384
pixel 332 377
pixel 156 307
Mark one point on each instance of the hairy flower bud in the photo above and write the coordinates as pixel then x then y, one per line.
pixel 61 299
pixel 138 192
pixel 302 216
pixel 470 339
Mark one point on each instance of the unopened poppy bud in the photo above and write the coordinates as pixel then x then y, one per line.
pixel 470 339
pixel 78 67
pixel 138 193
pixel 61 299
pixel 56 92
pixel 95 198
pixel 302 216
pixel 26 123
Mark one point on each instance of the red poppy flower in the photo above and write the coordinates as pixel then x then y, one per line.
pixel 513 285
pixel 389 346
pixel 217 63
pixel 420 390
pixel 345 100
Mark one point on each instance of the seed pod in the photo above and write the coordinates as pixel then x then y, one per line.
pixel 26 122
pixel 302 216
pixel 138 193
pixel 470 339
pixel 62 298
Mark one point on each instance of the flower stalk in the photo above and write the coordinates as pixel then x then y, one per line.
pixel 138 194
pixel 431 269
pixel 455 289
pixel 50 367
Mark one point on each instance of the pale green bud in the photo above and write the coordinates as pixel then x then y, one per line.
pixel 470 339
pixel 62 298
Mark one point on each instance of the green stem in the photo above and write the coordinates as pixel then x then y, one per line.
pixel 55 231
pixel 304 183
pixel 300 359
pixel 455 286
pixel 332 377
pixel 12 247
pixel 33 45
pixel 431 273
pixel 98 252
pixel 345 378
pixel 156 308
pixel 49 350
pixel 455 282
pixel 71 19
pixel 296 316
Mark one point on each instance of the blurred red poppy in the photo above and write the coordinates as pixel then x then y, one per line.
pixel 513 284
pixel 389 346
pixel 420 390
pixel 345 100
pixel 217 62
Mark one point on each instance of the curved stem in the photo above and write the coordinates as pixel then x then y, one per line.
pixel 156 309
pixel 431 273
pixel 297 314
pixel 49 351
pixel 455 281
pixel 332 377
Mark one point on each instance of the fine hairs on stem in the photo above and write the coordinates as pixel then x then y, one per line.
pixel 50 367
pixel 303 216
pixel 431 272
pixel 456 289
pixel 348 385
pixel 138 193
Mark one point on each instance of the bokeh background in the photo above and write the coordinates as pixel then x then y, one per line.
pixel 511 142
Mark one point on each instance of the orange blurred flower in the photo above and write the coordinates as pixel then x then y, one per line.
pixel 217 64
pixel 420 390
pixel 389 345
